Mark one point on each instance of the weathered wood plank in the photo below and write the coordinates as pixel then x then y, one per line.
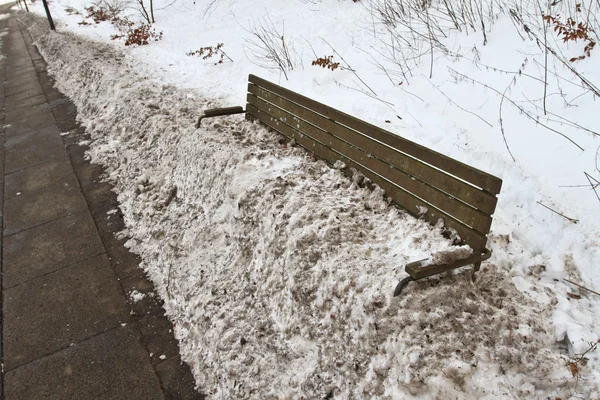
pixel 476 177
pixel 471 195
pixel 401 197
pixel 459 210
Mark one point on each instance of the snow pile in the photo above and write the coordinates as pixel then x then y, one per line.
pixel 449 256
pixel 277 271
pixel 136 296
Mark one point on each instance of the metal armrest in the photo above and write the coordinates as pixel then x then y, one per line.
pixel 417 271
pixel 218 112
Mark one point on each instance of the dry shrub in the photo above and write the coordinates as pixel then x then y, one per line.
pixel 572 31
pixel 326 62
pixel 209 52
pixel 141 35
pixel 98 14
pixel 269 47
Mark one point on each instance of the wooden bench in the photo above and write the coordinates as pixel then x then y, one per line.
pixel 425 183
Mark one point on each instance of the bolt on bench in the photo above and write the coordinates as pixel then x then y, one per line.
pixel 425 183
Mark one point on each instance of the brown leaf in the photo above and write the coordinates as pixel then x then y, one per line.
pixel 574 369
pixel 573 295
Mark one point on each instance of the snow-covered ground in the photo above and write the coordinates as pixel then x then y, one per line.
pixel 278 271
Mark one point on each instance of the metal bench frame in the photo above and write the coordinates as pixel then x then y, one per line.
pixel 427 184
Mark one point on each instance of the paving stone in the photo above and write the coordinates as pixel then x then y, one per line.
pixel 22 138
pixel 46 248
pixel 25 103
pixel 12 84
pixel 30 117
pixel 151 304
pixel 25 89
pixel 41 194
pixel 64 114
pixel 113 366
pixel 12 73
pixel 158 339
pixel 69 305
pixel 99 194
pixel 177 380
pixel 126 264
pixel 19 159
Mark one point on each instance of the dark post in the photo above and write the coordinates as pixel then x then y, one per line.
pixel 48 15
pixel 26 7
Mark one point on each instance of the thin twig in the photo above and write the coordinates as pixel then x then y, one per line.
pixel 500 119
pixel 453 102
pixel 564 120
pixel 519 107
pixel 349 67
pixel 590 178
pixel 582 287
pixel 573 220
pixel 387 103
pixel 545 55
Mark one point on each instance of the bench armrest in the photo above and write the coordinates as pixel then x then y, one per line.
pixel 217 112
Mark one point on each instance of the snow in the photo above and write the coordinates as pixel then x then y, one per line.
pixel 277 271
pixel 136 296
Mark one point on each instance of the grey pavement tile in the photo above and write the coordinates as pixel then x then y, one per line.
pixel 40 194
pixel 64 114
pixel 177 380
pixel 19 159
pixel 158 339
pixel 151 304
pixel 22 89
pixel 112 366
pixel 21 138
pixel 18 82
pixel 25 95
pixel 89 175
pixel 17 72
pixel 126 264
pixel 69 305
pixel 39 117
pixel 27 114
pixel 46 248
pixel 21 104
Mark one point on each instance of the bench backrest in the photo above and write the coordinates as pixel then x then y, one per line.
pixel 415 177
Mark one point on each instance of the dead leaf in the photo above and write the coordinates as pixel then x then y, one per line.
pixel 573 295
pixel 574 369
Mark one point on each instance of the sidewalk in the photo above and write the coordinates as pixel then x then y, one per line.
pixel 69 327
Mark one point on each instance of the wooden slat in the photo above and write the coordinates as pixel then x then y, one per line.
pixel 477 198
pixel 472 175
pixel 406 200
pixel 459 210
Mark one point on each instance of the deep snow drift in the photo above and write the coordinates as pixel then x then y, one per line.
pixel 277 271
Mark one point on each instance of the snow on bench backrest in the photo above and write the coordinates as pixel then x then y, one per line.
pixel 426 183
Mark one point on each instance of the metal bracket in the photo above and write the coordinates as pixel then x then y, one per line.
pixel 218 112
pixel 416 271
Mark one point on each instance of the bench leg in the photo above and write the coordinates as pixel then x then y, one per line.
pixel 476 267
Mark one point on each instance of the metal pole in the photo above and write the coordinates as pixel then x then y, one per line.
pixel 48 15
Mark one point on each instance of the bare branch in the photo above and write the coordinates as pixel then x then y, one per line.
pixel 573 220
